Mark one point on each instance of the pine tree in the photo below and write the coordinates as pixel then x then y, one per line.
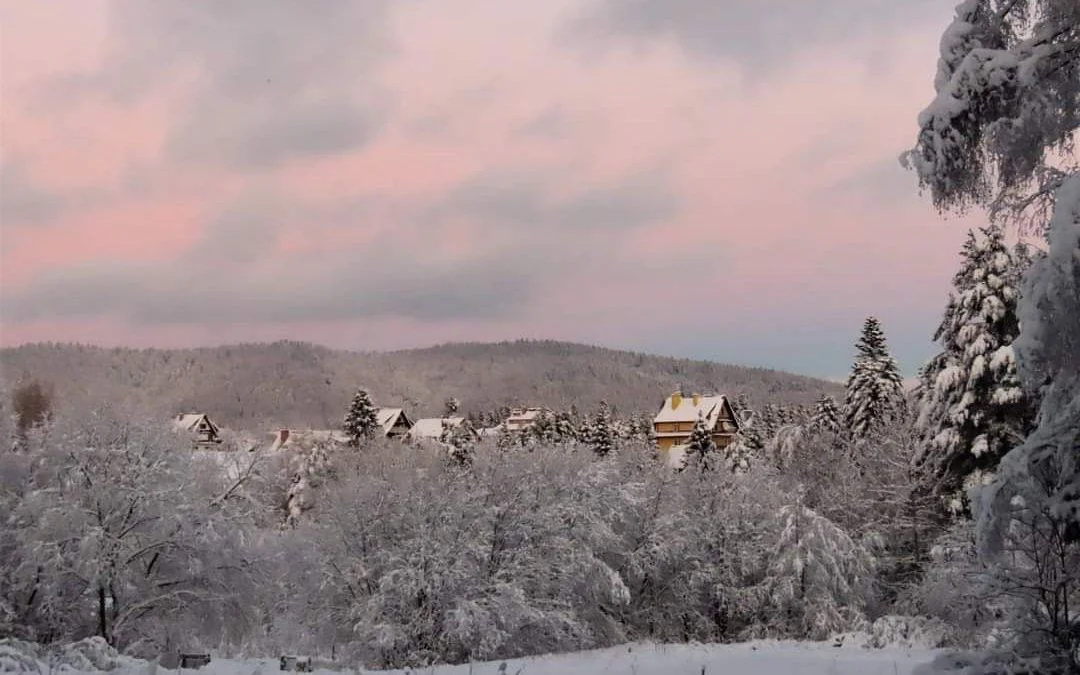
pixel 361 420
pixel 599 435
pixel 972 406
pixel 700 444
pixel 565 429
pixel 875 389
pixel 826 415
pixel 462 441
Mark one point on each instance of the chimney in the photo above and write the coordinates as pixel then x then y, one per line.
pixel 283 435
pixel 676 399
pixel 697 400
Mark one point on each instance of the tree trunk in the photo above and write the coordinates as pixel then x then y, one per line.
pixel 103 622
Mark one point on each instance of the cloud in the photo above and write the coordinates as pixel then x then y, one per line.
pixel 24 200
pixel 882 184
pixel 758 35
pixel 238 271
pixel 552 124
pixel 530 199
pixel 262 83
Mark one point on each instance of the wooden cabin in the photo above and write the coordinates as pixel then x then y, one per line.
pixel 393 422
pixel 202 430
pixel 675 421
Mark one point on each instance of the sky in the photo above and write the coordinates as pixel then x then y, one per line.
pixel 700 178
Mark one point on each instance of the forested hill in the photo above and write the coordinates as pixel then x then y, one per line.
pixel 252 386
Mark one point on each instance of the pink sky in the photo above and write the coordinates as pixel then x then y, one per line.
pixel 387 174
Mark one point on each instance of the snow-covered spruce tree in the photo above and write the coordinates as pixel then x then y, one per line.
pixel 826 416
pixel 1001 133
pixel 701 448
pixel 820 578
pixel 360 420
pixel 600 436
pixel 875 389
pixel 566 431
pixel 972 407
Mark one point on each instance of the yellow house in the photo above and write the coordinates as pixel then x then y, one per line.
pixel 676 419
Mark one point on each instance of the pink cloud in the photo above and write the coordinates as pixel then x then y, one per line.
pixel 764 226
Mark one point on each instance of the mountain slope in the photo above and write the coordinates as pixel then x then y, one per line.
pixel 253 386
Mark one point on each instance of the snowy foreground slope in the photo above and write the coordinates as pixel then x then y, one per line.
pixel 757 658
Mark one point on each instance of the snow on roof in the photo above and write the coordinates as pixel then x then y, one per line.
pixel 524 416
pixel 188 421
pixel 689 407
pixel 387 418
pixel 432 427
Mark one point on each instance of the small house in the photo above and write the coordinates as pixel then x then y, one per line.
pixel 393 422
pixel 202 430
pixel 674 423
pixel 523 418
pixel 434 429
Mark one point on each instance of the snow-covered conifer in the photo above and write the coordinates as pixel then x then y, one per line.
pixel 1001 132
pixel 564 427
pixel 972 406
pixel 600 435
pixel 875 390
pixel 360 420
pixel 826 416
pixel 700 445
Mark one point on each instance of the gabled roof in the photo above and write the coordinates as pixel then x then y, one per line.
pixel 188 422
pixel 432 427
pixel 388 418
pixel 679 408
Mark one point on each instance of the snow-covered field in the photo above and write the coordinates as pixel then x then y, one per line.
pixel 757 658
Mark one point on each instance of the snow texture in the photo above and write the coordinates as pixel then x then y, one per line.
pixel 755 658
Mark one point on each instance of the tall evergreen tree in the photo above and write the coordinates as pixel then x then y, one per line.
pixel 875 389
pixel 972 405
pixel 361 420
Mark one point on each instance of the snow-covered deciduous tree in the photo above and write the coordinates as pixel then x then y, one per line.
pixel 360 420
pixel 819 577
pixel 1001 132
pixel 1000 129
pixel 972 406
pixel 875 389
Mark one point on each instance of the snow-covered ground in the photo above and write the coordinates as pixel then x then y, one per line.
pixel 757 658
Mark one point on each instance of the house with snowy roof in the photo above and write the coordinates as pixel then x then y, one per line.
pixel 284 439
pixel 674 423
pixel 523 418
pixel 433 429
pixel 202 430
pixel 393 422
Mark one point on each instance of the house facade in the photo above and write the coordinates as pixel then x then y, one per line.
pixel 675 421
